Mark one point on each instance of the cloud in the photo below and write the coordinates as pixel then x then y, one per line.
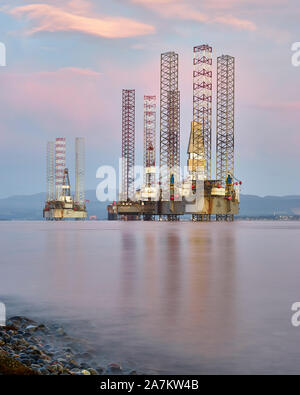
pixel 241 24
pixel 185 10
pixel 49 18
pixel 78 6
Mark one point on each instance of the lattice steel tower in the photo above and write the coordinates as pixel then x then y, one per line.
pixel 149 139
pixel 128 143
pixel 80 171
pixel 50 171
pixel 60 165
pixel 169 118
pixel 225 123
pixel 202 100
pixel 225 117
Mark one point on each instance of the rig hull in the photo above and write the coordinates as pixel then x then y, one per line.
pixel 212 200
pixel 213 205
pixel 64 213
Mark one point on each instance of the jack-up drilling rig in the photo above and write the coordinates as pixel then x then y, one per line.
pixel 60 204
pixel 198 194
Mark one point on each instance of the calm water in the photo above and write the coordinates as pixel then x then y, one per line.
pixel 162 297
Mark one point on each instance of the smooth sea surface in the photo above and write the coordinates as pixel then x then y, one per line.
pixel 168 298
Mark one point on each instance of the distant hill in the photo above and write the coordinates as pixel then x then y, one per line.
pixel 30 207
pixel 255 206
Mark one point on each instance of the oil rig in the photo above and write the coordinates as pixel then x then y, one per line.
pixel 165 193
pixel 60 204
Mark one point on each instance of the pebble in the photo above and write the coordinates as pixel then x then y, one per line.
pixel 115 367
pixel 73 363
pixel 26 361
pixel 27 347
pixel 60 332
pixel 61 360
pixel 30 327
pixel 75 371
pixel 44 371
pixel 93 372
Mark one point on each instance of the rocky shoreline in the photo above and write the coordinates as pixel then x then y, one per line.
pixel 30 348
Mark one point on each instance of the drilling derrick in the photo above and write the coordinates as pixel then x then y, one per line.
pixel 199 163
pixel 149 139
pixel 202 101
pixel 50 171
pixel 128 144
pixel 80 172
pixel 196 161
pixel 60 164
pixel 169 127
pixel 225 124
pixel 66 187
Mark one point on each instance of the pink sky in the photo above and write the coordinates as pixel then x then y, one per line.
pixel 69 60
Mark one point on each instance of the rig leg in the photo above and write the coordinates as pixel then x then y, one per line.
pixel 201 217
pixel 173 218
pixel 225 218
pixel 148 217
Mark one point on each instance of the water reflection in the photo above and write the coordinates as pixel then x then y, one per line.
pixel 128 268
pixel 180 281
pixel 171 285
pixel 180 297
pixel 211 294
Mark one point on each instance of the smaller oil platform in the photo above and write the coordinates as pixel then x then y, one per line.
pixel 64 207
pixel 60 203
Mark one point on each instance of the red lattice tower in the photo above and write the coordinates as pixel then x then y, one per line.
pixel 202 98
pixel 128 143
pixel 60 164
pixel 149 139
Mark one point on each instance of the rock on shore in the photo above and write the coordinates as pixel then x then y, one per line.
pixel 29 348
